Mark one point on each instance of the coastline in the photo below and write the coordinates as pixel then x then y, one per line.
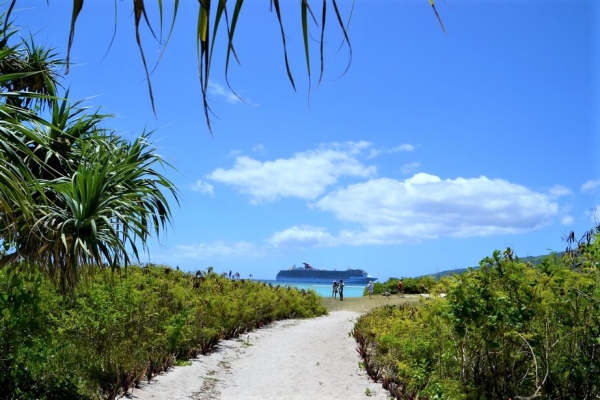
pixel 323 289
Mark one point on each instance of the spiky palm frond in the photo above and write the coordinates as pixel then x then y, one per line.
pixel 211 14
pixel 31 69
pixel 210 18
pixel 54 142
pixel 104 212
pixel 17 186
pixel 73 194
pixel 16 198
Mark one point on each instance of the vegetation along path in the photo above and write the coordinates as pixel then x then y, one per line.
pixel 293 359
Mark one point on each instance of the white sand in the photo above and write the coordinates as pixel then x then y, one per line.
pixel 294 359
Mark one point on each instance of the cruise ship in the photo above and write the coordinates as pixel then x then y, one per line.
pixel 309 274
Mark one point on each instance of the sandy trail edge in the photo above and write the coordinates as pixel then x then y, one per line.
pixel 291 359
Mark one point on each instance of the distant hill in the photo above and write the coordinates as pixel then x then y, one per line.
pixel 538 259
pixel 457 271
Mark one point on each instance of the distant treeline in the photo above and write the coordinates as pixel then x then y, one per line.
pixel 529 259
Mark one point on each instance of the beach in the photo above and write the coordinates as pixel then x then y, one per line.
pixel 291 359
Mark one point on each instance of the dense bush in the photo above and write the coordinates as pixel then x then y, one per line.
pixel 118 329
pixel 505 330
pixel 424 284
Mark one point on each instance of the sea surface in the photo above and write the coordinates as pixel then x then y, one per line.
pixel 322 289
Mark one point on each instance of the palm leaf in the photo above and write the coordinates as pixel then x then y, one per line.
pixel 203 52
pixel 111 205
pixel 437 15
pixel 77 6
pixel 139 11
pixel 304 10
pixel 275 4
pixel 203 38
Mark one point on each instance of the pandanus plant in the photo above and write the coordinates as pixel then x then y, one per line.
pixel 26 73
pixel 73 193
pixel 104 210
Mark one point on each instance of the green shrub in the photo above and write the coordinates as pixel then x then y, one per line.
pixel 505 330
pixel 424 284
pixel 118 329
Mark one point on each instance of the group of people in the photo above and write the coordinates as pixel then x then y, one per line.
pixel 338 287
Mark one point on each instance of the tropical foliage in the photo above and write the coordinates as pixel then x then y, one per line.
pixel 421 285
pixel 122 328
pixel 73 193
pixel 508 329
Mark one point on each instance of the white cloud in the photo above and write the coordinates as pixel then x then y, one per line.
pixel 218 250
pixel 567 220
pixel 409 168
pixel 403 147
pixel 388 211
pixel 590 185
pixel 219 90
pixel 203 187
pixel 559 191
pixel 306 175
pixel 259 148
pixel 302 237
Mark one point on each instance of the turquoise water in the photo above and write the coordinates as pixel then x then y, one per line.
pixel 322 289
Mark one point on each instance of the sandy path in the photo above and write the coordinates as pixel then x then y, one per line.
pixel 294 359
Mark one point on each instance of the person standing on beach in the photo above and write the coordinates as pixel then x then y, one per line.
pixel 341 289
pixel 370 289
pixel 335 289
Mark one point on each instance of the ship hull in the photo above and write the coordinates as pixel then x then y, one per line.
pixel 325 276
pixel 348 281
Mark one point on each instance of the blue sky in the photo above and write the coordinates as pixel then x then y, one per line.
pixel 429 153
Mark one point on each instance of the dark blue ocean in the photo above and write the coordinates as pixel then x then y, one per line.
pixel 322 289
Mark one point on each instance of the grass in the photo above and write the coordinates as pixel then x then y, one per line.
pixel 364 304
